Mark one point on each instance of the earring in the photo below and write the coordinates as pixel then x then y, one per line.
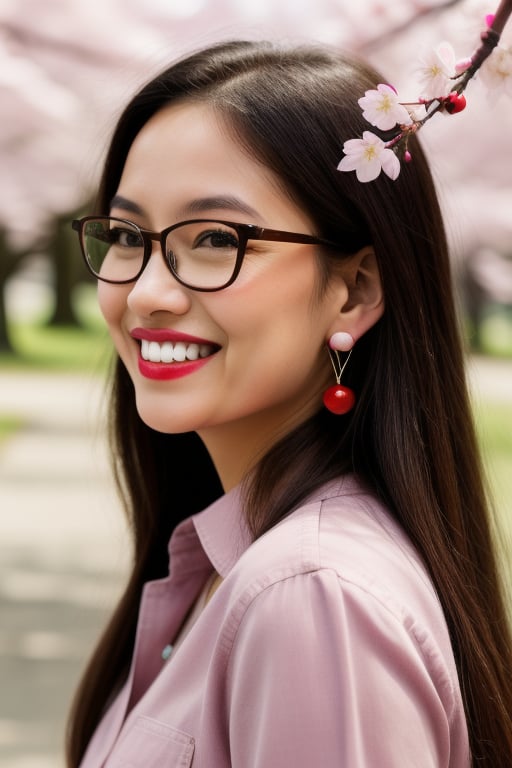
pixel 341 341
pixel 339 399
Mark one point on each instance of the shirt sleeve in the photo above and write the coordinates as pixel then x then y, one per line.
pixel 323 675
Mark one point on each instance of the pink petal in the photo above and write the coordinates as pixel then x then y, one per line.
pixel 390 163
pixel 371 138
pixel 385 88
pixel 349 163
pixel 352 145
pixel 447 55
pixel 368 171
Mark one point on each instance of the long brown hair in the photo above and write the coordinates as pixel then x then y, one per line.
pixel 411 436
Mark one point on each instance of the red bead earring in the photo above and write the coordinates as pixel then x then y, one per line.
pixel 339 399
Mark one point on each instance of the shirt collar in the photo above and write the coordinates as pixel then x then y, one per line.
pixel 219 535
pixel 223 531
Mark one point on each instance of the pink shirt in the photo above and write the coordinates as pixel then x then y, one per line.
pixel 324 647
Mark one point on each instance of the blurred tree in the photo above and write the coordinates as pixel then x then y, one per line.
pixel 65 70
pixel 10 260
pixel 60 77
pixel 64 254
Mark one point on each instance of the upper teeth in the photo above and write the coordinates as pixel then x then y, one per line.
pixel 169 352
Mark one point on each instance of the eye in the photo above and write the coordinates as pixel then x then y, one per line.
pixel 220 238
pixel 125 238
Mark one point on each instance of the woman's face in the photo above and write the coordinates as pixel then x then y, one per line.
pixel 264 337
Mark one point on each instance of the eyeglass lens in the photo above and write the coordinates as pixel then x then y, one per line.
pixel 202 254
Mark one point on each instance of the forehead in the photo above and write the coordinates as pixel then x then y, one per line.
pixel 193 140
pixel 188 151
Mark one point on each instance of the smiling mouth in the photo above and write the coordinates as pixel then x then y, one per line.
pixel 174 352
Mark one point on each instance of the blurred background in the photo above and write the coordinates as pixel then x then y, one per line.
pixel 66 69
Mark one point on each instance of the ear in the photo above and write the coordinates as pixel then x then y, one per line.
pixel 364 304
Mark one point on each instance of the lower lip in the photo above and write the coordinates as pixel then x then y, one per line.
pixel 170 371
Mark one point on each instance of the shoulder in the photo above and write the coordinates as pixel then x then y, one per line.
pixel 342 528
pixel 340 561
pixel 331 618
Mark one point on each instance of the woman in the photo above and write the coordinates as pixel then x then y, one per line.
pixel 337 603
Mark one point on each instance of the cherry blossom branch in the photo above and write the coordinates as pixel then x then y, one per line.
pixel 490 38
pixel 382 109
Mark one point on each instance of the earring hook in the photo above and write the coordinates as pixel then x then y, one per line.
pixel 336 363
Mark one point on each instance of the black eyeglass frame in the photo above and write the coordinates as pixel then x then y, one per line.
pixel 245 233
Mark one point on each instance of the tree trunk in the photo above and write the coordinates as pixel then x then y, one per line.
pixel 63 252
pixel 5 340
pixel 9 262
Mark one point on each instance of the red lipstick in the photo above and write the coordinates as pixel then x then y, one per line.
pixel 167 371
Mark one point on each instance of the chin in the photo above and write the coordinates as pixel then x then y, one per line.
pixel 167 426
pixel 162 419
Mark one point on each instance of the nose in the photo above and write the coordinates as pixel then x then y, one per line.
pixel 157 290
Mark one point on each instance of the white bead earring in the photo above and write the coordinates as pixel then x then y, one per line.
pixel 341 342
pixel 339 399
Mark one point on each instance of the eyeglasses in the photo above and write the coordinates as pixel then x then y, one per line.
pixel 202 254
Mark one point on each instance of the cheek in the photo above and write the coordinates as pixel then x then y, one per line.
pixel 275 332
pixel 279 298
pixel 112 303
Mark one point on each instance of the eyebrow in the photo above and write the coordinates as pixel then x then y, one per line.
pixel 221 202
pixel 193 207
pixel 118 201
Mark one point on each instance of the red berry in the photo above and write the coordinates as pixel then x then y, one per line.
pixel 455 102
pixel 339 399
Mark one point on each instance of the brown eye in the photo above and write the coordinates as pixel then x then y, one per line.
pixel 218 239
pixel 125 238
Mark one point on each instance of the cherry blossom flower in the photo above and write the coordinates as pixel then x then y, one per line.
pixel 496 71
pixel 444 82
pixel 368 157
pixel 437 70
pixel 382 109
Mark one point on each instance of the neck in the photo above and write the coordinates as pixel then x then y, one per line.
pixel 236 447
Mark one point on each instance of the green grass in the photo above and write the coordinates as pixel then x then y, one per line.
pixel 494 423
pixel 495 335
pixel 54 348
pixel 9 425
pixel 41 346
